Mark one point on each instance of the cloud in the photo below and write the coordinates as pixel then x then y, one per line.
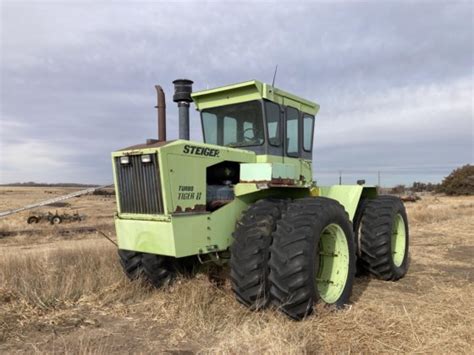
pixel 38 160
pixel 394 80
pixel 404 115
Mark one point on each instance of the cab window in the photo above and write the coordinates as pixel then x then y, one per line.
pixel 230 131
pixel 272 112
pixel 209 124
pixel 292 115
pixel 308 127
pixel 236 125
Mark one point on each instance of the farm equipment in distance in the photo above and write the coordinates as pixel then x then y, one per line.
pixel 54 218
pixel 247 196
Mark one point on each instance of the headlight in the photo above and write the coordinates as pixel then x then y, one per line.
pixel 124 160
pixel 146 158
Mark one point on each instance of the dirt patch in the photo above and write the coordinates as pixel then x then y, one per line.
pixel 98 333
pixel 463 273
pixel 463 253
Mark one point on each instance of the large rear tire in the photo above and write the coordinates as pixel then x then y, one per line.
pixel 157 270
pixel 250 252
pixel 312 257
pixel 384 238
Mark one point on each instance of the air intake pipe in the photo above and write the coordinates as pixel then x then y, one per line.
pixel 182 96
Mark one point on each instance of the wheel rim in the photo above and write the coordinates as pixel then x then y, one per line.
pixel 398 240
pixel 333 263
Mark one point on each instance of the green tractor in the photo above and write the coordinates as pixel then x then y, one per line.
pixel 246 196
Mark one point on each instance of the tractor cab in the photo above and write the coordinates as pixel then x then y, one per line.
pixel 258 117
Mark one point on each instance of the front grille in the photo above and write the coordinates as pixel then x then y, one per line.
pixel 138 185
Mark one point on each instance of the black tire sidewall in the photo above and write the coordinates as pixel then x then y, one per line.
pixel 262 216
pixel 376 239
pixel 156 270
pixel 357 222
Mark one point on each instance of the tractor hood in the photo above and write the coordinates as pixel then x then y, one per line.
pixel 170 177
pixel 153 144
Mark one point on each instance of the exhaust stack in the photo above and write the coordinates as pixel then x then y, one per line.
pixel 161 106
pixel 182 96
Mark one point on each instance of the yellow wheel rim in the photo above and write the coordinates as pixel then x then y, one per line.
pixel 333 268
pixel 399 240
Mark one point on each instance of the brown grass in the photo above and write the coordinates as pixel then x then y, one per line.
pixel 71 296
pixel 59 277
pixel 440 212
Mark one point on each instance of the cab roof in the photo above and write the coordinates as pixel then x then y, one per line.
pixel 249 91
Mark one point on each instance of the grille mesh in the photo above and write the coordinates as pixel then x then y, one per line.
pixel 139 187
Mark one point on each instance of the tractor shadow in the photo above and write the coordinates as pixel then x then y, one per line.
pixel 360 285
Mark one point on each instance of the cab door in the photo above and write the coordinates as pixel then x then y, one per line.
pixel 298 141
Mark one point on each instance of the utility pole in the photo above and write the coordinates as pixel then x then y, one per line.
pixel 378 178
pixel 340 177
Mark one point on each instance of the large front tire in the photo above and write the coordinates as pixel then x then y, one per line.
pixel 312 257
pixel 384 238
pixel 156 270
pixel 250 252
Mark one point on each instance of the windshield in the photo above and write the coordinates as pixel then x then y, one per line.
pixel 236 125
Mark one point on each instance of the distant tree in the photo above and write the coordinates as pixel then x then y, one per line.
pixel 422 187
pixel 459 182
pixel 399 189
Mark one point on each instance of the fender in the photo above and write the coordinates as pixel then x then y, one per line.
pixel 347 195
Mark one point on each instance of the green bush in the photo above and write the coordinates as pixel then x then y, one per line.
pixel 459 182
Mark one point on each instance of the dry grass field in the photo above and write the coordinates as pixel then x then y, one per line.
pixel 62 290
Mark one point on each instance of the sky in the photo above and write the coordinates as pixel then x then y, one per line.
pixel 394 80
